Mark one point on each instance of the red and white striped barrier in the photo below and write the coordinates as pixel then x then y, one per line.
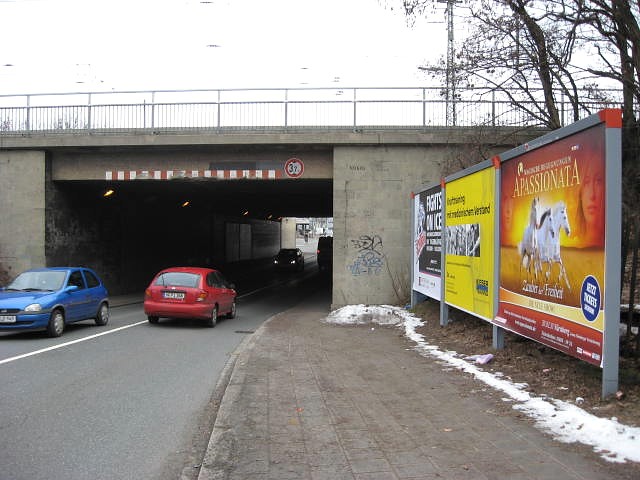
pixel 170 174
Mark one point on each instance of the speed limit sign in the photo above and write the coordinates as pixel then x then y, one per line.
pixel 294 168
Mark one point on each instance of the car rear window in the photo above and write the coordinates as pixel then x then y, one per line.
pixel 178 279
pixel 325 242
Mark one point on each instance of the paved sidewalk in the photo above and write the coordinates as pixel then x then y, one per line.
pixel 310 400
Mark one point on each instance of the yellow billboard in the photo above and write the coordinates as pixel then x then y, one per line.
pixel 469 243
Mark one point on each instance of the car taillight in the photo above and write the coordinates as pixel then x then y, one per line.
pixel 202 296
pixel 147 293
pixel 318 251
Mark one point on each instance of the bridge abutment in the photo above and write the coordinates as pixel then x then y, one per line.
pixel 22 223
pixel 372 204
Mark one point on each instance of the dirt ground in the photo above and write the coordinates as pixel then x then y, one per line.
pixel 545 370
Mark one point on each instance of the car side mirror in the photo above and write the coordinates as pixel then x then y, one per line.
pixel 71 288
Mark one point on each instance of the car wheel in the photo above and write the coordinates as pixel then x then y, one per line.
pixel 102 317
pixel 232 312
pixel 152 319
pixel 211 321
pixel 55 327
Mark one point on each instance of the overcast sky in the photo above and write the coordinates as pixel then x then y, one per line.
pixel 103 45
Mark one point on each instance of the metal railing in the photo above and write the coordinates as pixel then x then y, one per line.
pixel 261 109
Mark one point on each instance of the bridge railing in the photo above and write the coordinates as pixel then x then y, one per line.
pixel 260 109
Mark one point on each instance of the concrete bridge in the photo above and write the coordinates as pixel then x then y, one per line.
pixel 238 183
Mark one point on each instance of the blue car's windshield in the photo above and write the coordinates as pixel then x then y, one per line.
pixel 49 280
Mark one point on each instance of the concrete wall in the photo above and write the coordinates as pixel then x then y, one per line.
pixel 266 238
pixel 91 165
pixel 288 233
pixel 371 219
pixel 22 222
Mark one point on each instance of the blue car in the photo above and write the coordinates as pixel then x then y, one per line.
pixel 49 298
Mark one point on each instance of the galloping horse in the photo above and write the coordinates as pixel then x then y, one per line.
pixel 548 240
pixel 528 247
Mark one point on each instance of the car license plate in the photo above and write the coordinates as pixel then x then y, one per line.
pixel 7 319
pixel 173 295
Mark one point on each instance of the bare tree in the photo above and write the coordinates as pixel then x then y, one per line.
pixel 520 49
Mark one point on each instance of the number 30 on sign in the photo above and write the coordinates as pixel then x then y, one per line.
pixel 294 168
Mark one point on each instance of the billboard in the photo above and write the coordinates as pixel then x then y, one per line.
pixel 427 242
pixel 552 244
pixel 469 241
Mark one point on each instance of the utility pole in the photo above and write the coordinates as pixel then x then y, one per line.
pixel 450 94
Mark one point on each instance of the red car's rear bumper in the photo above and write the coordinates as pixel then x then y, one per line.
pixel 177 310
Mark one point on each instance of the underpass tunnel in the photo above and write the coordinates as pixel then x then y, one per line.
pixel 128 230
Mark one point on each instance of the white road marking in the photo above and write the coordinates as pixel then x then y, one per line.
pixel 55 347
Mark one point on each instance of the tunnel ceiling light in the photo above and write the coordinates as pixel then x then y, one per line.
pixel 108 193
pixel 185 204
pixel 246 212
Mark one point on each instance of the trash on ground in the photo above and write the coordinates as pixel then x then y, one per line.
pixel 481 359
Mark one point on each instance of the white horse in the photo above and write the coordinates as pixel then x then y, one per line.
pixel 528 247
pixel 548 239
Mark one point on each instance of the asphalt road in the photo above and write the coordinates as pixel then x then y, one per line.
pixel 130 400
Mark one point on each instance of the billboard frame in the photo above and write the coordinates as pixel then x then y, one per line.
pixel 612 120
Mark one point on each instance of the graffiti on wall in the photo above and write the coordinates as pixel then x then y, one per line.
pixel 369 258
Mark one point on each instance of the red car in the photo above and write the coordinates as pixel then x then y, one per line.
pixel 190 292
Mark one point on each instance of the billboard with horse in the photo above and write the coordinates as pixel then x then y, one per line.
pixel 552 243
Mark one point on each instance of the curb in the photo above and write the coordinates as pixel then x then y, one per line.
pixel 220 446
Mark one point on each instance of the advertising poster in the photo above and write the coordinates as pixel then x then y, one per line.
pixel 427 242
pixel 552 244
pixel 468 241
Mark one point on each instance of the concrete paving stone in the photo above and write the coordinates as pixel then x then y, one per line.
pixel 359 443
pixel 289 471
pixel 319 439
pixel 496 463
pixel 467 472
pixel 255 451
pixel 331 472
pixel 310 406
pixel 546 470
pixel 345 433
pixel 409 457
pixel 250 428
pixel 349 419
pixel 308 393
pixel 286 429
pixel 250 467
pixel 376 476
pixel 337 399
pixel 277 457
pixel 394 442
pixel 302 373
pixel 414 470
pixel 371 465
pixel 329 457
pixel 312 421
pixel 363 453
pixel 244 476
pixel 323 449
